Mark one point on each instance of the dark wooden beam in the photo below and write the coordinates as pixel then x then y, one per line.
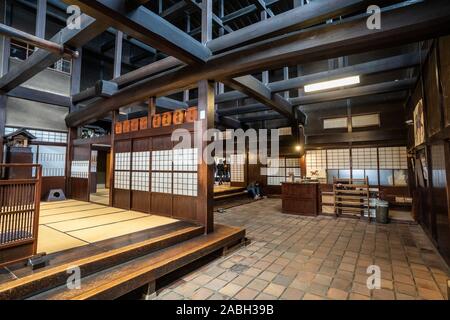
pixel 400 26
pixel 239 13
pixel 262 117
pixel 261 5
pixel 295 19
pixel 148 27
pixel 173 10
pixel 41 59
pixel 382 65
pixel 250 108
pixel 378 88
pixel 260 92
pixel 357 137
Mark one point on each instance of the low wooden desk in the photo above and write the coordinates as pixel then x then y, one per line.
pixel 301 198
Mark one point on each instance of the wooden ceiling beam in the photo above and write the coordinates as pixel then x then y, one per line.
pixel 295 19
pixel 41 59
pixel 378 88
pixel 148 27
pixel 400 26
pixel 388 64
pixel 260 92
pixel 250 108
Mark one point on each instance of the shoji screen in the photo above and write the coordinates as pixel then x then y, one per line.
pixel 276 171
pixel 316 164
pixel 237 168
pixel 122 175
pixel 393 166
pixel 140 175
pixel 338 163
pixel 365 164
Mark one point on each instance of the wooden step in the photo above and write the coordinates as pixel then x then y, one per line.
pixel 231 195
pixel 52 277
pixel 122 279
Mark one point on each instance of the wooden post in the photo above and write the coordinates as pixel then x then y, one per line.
pixel 73 133
pixel 118 55
pixel 151 109
pixel 205 199
pixel 41 18
pixel 115 117
pixel 5 17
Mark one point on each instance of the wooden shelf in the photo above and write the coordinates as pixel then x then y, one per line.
pixel 351 195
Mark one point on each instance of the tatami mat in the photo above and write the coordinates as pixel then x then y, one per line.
pixel 51 241
pixel 121 228
pixel 75 208
pixel 78 215
pixel 70 224
pixel 96 221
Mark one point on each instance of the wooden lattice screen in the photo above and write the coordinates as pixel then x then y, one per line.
pixel 19 211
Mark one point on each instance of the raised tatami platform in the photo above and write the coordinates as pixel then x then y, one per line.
pixel 70 224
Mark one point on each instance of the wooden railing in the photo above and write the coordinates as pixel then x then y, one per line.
pixel 19 211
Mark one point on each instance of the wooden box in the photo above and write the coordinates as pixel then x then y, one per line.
pixel 192 114
pixel 143 123
pixel 156 121
pixel 134 124
pixel 178 117
pixel 126 127
pixel 118 128
pixel 166 119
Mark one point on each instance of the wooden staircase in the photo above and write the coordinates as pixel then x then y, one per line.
pixel 115 273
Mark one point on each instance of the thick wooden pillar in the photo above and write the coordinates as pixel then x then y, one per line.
pixel 205 201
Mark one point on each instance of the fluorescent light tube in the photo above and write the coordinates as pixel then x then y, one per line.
pixel 332 84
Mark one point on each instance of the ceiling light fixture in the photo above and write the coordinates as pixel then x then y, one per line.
pixel 332 84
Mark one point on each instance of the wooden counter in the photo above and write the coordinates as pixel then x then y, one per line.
pixel 301 198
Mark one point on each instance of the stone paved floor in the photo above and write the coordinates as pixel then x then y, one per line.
pixel 294 257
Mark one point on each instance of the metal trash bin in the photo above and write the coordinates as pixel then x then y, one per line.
pixel 382 211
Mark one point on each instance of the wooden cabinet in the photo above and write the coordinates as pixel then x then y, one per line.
pixel 301 198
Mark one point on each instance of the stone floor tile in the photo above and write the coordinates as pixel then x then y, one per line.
pixel 274 290
pixel 337 294
pixel 246 294
pixel 230 289
pixel 258 284
pixel 202 294
pixel 292 294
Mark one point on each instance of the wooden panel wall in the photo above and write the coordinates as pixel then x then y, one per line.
pixel 444 63
pixel 170 205
pixel 432 195
pixel 79 187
